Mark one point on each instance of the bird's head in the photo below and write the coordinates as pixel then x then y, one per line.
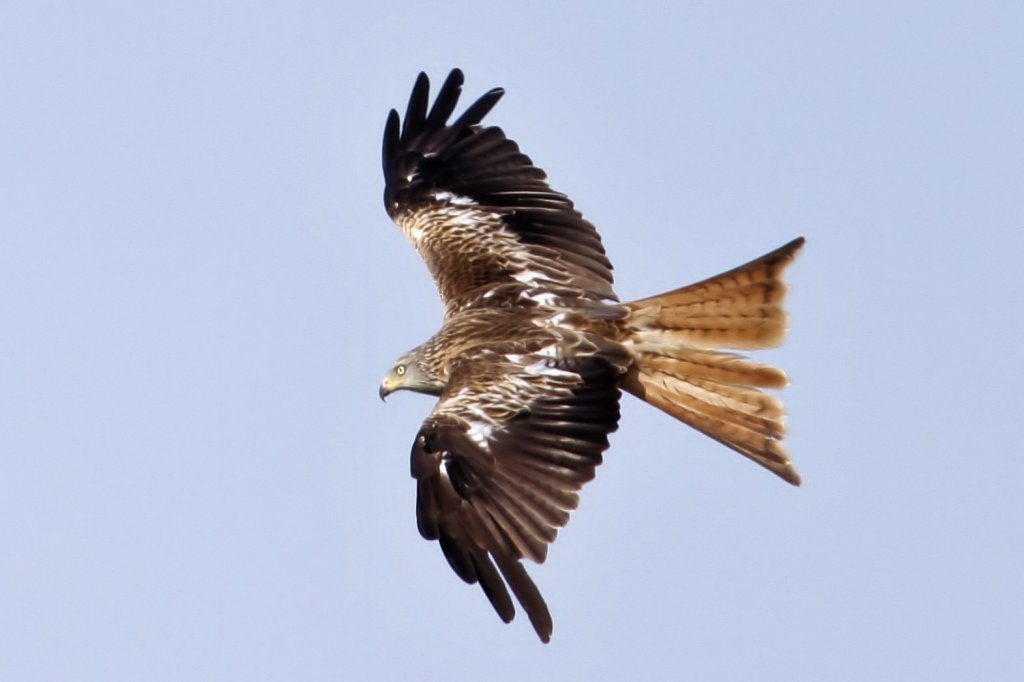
pixel 411 373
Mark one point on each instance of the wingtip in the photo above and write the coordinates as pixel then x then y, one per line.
pixel 493 95
pixel 452 82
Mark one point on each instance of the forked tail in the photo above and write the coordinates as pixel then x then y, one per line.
pixel 676 340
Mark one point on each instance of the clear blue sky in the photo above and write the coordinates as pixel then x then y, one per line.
pixel 200 291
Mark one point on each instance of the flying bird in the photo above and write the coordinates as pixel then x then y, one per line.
pixel 535 347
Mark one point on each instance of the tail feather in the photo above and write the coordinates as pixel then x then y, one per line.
pixel 673 338
pixel 739 309
pixel 723 368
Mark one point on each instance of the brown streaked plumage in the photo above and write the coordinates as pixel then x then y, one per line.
pixel 535 347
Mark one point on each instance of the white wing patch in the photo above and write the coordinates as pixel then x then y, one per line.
pixel 450 198
pixel 540 368
pixel 530 277
pixel 480 433
pixel 539 296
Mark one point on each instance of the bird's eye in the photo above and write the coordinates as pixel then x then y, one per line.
pixel 400 370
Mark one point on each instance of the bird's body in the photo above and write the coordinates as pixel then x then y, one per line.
pixel 535 347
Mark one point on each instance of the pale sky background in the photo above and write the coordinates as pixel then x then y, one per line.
pixel 200 291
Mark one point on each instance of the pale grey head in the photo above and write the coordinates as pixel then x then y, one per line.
pixel 414 371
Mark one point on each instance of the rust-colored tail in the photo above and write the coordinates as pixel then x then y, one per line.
pixel 678 367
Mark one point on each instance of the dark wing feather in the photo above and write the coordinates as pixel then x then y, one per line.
pixel 476 208
pixel 500 461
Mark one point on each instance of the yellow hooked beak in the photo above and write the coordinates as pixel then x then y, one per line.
pixel 388 386
pixel 392 382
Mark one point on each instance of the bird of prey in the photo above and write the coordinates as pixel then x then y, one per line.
pixel 535 347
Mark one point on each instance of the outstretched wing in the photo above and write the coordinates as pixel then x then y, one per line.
pixel 477 209
pixel 499 463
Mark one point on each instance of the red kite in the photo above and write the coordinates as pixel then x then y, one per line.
pixel 535 347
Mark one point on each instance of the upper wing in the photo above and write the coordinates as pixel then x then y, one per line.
pixel 500 460
pixel 476 208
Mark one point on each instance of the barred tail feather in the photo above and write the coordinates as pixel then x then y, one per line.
pixel 739 309
pixel 675 337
